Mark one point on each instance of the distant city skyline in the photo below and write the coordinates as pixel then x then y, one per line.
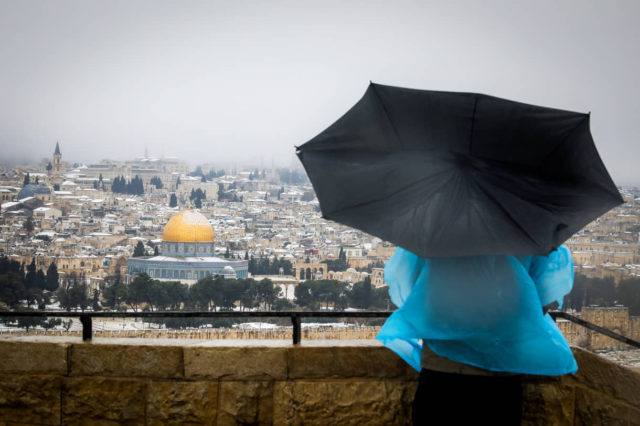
pixel 243 82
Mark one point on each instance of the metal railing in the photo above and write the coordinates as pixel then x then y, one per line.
pixel 86 318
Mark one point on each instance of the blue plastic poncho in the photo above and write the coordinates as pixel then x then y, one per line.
pixel 484 311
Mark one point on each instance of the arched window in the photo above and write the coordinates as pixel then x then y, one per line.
pixel 302 274
pixel 308 273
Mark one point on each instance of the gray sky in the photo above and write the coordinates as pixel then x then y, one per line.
pixel 244 81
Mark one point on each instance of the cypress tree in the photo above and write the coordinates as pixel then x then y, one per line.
pixel 139 250
pixel 52 278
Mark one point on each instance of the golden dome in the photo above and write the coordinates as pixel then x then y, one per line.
pixel 188 226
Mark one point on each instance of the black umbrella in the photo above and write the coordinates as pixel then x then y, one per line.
pixel 456 174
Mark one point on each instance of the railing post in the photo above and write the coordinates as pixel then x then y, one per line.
pixel 86 327
pixel 297 332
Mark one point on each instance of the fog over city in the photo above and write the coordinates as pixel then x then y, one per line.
pixel 244 81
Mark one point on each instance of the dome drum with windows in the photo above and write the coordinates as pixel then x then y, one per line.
pixel 188 249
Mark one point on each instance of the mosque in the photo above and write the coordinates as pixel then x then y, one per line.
pixel 187 253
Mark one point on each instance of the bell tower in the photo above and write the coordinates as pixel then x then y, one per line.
pixel 57 165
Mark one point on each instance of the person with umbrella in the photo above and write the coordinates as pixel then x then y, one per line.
pixel 478 193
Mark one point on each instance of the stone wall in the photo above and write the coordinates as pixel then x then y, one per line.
pixel 106 383
pixel 616 319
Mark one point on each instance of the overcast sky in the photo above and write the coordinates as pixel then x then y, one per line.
pixel 245 81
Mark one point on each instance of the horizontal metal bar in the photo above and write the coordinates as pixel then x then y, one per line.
pixel 591 326
pixel 202 314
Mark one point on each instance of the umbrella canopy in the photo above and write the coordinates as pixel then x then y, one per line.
pixel 456 174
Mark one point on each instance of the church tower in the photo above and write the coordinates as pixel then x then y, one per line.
pixel 57 166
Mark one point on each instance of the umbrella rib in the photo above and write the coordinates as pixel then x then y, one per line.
pixel 566 138
pixel 473 121
pixel 386 113
pixel 506 212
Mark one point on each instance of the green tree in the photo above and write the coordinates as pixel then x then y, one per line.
pixel 628 294
pixel 303 295
pixel 361 295
pixel 266 293
pixel 157 182
pixel 115 295
pixel 49 166
pixel 27 180
pixel 12 288
pixel 41 280
pixel 95 301
pixel 73 293
pixel 51 283
pixel 138 291
pixel 173 201
pixel 51 323
pixel 139 250
pixel 29 226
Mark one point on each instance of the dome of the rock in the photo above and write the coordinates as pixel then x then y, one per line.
pixel 187 253
pixel 188 226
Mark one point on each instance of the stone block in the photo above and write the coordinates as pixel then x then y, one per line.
pixel 634 417
pixel 235 363
pixel 33 358
pixel 245 403
pixel 595 408
pixel 30 399
pixel 343 402
pixel 547 403
pixel 163 362
pixel 603 375
pixel 99 400
pixel 344 361
pixel 182 403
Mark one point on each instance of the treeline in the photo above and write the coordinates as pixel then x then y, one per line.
pixel 212 174
pixel 210 293
pixel 157 182
pixel 223 294
pixel 317 294
pixel 21 287
pixel 19 284
pixel 133 187
pixel 603 292
pixel 228 195
pixel 263 266
pixel 196 197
